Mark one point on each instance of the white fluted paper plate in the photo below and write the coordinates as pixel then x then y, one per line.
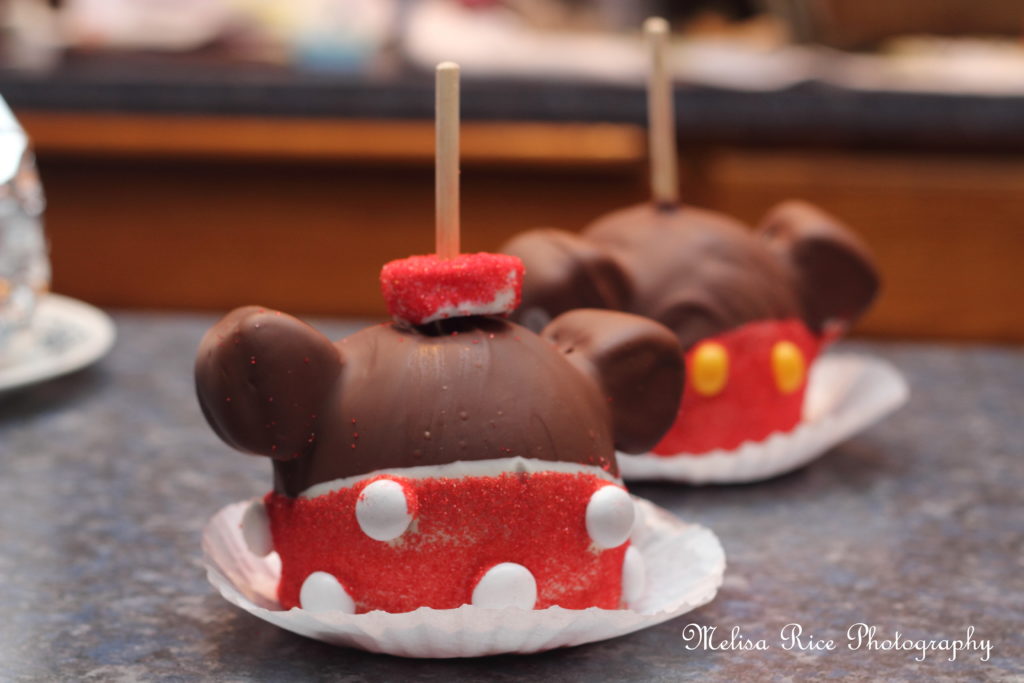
pixel 65 335
pixel 846 393
pixel 685 565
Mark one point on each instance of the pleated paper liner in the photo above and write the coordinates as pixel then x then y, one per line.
pixel 846 393
pixel 685 564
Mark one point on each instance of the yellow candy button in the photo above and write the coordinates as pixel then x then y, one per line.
pixel 709 368
pixel 789 366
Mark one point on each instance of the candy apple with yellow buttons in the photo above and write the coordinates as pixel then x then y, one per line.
pixel 752 309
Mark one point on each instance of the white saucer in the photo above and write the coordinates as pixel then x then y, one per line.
pixel 66 335
pixel 685 564
pixel 846 393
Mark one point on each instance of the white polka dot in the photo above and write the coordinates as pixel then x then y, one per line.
pixel 256 529
pixel 321 592
pixel 383 510
pixel 638 522
pixel 610 516
pixel 506 585
pixel 634 576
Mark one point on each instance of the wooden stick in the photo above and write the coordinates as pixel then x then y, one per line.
pixel 446 163
pixel 661 116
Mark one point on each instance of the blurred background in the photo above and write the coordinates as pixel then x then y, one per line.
pixel 202 154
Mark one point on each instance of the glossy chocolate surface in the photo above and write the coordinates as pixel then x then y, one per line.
pixel 473 388
pixel 699 272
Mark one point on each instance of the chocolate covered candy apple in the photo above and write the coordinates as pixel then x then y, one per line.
pixel 467 461
pixel 752 309
pixel 449 457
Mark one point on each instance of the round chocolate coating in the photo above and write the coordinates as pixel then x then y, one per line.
pixel 474 388
pixel 696 271
pixel 394 396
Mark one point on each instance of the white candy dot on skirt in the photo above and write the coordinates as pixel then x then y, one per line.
pixel 610 516
pixel 256 529
pixel 506 585
pixel 634 576
pixel 383 510
pixel 321 592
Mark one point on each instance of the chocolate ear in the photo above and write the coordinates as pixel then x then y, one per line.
pixel 693 318
pixel 638 364
pixel 563 272
pixel 835 272
pixel 262 377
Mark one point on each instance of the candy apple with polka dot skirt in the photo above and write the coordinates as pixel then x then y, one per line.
pixel 465 460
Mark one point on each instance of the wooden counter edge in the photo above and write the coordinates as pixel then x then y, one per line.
pixel 311 139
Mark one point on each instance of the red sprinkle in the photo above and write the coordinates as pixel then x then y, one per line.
pixel 418 289
pixel 463 527
pixel 750 407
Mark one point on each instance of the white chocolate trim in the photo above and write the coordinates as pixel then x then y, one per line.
pixel 502 302
pixel 463 468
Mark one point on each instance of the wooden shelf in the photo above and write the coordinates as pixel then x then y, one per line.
pixel 235 137
pixel 299 214
pixel 948 231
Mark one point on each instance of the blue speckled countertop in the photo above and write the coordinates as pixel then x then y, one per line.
pixel 916 525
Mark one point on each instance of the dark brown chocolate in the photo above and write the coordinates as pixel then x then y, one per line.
pixel 473 388
pixel 637 363
pixel 262 378
pixel 567 272
pixel 836 274
pixel 698 272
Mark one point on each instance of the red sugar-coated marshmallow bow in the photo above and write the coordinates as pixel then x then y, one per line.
pixel 422 289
